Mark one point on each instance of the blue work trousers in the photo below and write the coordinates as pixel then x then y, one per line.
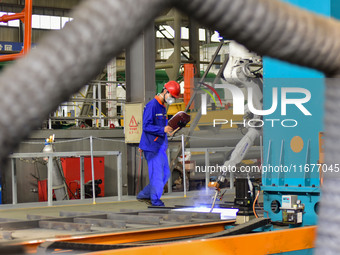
pixel 159 173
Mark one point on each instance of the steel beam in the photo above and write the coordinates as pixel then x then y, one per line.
pixel 194 47
pixel 140 85
pixel 102 222
pixel 19 225
pixel 38 217
pixel 69 217
pixel 175 58
pixel 78 214
pixel 140 68
pixel 65 226
pixel 8 220
pixel 169 217
pixel 199 215
pixel 135 219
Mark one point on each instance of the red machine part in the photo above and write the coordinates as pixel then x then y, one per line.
pixel 189 73
pixel 71 169
pixel 42 190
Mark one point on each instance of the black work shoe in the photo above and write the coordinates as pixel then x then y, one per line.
pixel 144 200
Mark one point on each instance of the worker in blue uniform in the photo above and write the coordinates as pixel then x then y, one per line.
pixel 154 143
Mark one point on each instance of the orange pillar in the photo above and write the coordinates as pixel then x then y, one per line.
pixel 28 25
pixel 189 73
pixel 26 17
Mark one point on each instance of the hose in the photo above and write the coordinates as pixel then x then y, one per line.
pixel 65 60
pixel 273 28
pixel 254 210
pixel 329 220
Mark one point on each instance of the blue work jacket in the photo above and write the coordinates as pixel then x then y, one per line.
pixel 154 120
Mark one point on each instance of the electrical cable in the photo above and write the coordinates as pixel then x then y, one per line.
pixel 258 204
pixel 255 71
pixel 254 210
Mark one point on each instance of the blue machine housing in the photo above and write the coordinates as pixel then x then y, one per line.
pixel 289 172
pixel 300 179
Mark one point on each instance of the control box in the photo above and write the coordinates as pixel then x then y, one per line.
pixel 288 201
pixel 292 209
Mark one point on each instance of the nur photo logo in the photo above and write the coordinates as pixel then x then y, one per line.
pixel 295 96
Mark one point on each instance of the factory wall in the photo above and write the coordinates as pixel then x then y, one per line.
pixel 11 34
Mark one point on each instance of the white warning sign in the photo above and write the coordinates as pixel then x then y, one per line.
pixel 133 122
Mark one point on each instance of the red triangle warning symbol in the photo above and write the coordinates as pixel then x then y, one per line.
pixel 133 122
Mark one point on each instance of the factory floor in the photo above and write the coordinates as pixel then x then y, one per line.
pixel 25 232
pixel 21 210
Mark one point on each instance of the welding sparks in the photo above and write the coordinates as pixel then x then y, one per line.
pixel 226 213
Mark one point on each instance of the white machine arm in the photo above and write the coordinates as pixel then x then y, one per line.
pixel 238 72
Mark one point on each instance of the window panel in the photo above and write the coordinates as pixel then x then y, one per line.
pixel 45 22
pixel 55 22
pixel 201 34
pixel 13 23
pixel 184 33
pixel 35 21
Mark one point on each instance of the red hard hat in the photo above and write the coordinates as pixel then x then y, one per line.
pixel 173 88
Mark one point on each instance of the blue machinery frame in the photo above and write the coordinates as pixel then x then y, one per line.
pixel 278 140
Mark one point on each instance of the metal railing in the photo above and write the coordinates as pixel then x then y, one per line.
pixel 81 154
pixel 94 102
